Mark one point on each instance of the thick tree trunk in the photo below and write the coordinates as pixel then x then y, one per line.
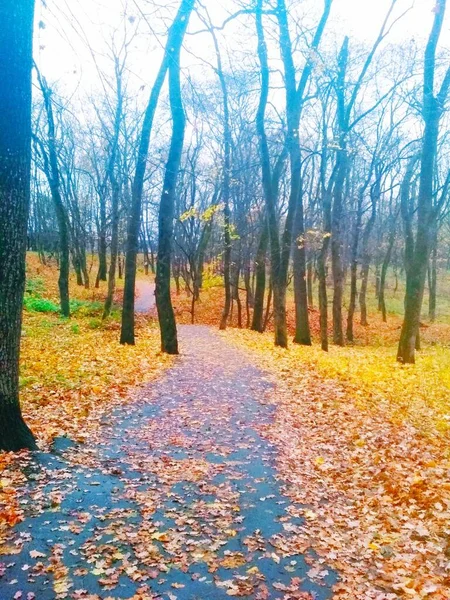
pixel 354 270
pixel 417 262
pixel 337 248
pixel 174 40
pixel 166 315
pixel 16 35
pixel 302 330
pixel 260 267
pixel 52 172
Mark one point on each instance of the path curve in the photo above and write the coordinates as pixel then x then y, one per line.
pixel 176 499
pixel 144 296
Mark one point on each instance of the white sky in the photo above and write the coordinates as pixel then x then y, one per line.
pixel 64 58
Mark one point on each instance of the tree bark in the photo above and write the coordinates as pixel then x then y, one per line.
pixel 174 39
pixel 16 35
pixel 166 315
pixel 260 267
pixel 375 195
pixel 433 107
pixel 354 269
pixel 52 172
pixel 432 279
pixel 384 270
pixel 302 330
pixel 295 216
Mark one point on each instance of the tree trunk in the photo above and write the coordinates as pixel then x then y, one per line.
pixel 16 35
pixel 336 248
pixel 260 267
pixel 115 217
pixel 102 246
pixel 52 172
pixel 166 316
pixel 302 330
pixel 384 270
pixel 433 107
pixel 432 280
pixel 174 39
pixel 226 186
pixel 338 199
pixel 354 270
pixel 278 285
pixel 375 196
pixel 309 280
pixel 323 295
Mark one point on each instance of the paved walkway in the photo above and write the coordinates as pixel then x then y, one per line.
pixel 145 296
pixel 177 498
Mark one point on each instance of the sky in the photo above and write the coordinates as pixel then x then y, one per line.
pixel 64 26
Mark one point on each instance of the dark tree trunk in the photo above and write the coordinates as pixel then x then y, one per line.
pixel 77 268
pixel 268 307
pixel 226 187
pixel 309 280
pixel 166 316
pixel 236 274
pixel 336 252
pixel 278 285
pixel 354 269
pixel 323 296
pixel 418 255
pixel 16 35
pixel 383 276
pixel 338 200
pixel 120 263
pixel 432 280
pixel 226 267
pixel 260 267
pixel 52 172
pixel 102 246
pixel 375 195
pixel 302 330
pixel 281 243
pixel 174 39
pixel 115 217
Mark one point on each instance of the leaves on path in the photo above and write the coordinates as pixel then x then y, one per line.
pixel 374 492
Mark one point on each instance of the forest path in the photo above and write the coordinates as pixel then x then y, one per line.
pixel 176 498
pixel 145 296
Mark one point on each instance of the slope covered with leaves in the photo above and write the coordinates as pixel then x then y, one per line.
pixel 371 474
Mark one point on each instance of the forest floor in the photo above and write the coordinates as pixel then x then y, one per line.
pixel 175 496
pixel 236 469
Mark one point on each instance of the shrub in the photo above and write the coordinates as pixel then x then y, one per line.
pixel 37 304
pixel 35 286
